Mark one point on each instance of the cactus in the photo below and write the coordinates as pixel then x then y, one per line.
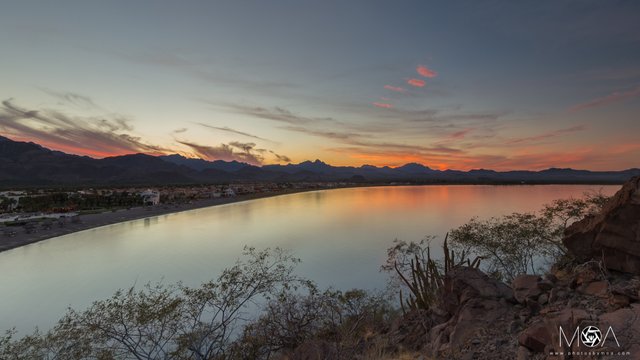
pixel 426 278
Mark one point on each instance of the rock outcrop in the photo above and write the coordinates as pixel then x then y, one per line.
pixel 475 305
pixel 579 310
pixel 613 235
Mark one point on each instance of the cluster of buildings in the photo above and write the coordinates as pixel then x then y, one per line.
pixel 10 200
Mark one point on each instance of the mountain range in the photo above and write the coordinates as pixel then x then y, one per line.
pixel 26 164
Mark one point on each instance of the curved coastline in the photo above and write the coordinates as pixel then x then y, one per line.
pixel 91 221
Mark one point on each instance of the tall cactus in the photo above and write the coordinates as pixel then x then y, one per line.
pixel 426 277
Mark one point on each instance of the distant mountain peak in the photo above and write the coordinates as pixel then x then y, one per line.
pixel 314 162
pixel 29 164
pixel 202 164
pixel 414 167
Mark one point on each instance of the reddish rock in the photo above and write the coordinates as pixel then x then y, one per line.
pixel 625 323
pixel 535 337
pixel 587 273
pixel 465 283
pixel 613 235
pixel 526 287
pixel 629 288
pixel 619 301
pixel 596 288
pixel 475 303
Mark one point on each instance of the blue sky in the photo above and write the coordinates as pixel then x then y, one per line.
pixel 496 84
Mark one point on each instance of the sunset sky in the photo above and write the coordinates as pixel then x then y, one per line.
pixel 450 84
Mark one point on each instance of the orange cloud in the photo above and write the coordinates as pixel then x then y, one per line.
pixel 71 149
pixel 416 82
pixel 107 136
pixel 426 72
pixel 607 100
pixel 395 88
pixel 382 105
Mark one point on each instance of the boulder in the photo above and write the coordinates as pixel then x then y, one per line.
pixel 526 287
pixel 613 235
pixel 625 323
pixel 477 305
pixel 466 283
pixel 535 338
pixel 596 288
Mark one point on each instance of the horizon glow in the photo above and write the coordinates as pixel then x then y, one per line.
pixel 498 85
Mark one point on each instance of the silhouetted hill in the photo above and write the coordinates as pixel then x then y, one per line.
pixel 200 164
pixel 29 164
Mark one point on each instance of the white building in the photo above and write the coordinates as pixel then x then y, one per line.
pixel 150 197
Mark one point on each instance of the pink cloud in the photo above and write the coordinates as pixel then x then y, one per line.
pixel 547 135
pixel 460 134
pixel 382 105
pixel 395 88
pixel 607 100
pixel 426 72
pixel 416 82
pixel 624 148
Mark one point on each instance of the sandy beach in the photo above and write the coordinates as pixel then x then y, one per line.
pixel 89 221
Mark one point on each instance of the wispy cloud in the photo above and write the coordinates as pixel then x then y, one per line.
pixel 277 113
pixel 459 134
pixel 233 131
pixel 71 98
pixel 612 98
pixel 179 131
pixel 426 72
pixel 368 141
pixel 395 88
pixel 443 117
pixel 416 82
pixel 98 137
pixel 227 152
pixel 205 71
pixel 548 135
pixel 246 152
pixel 382 105
pixel 280 158
pixel 335 135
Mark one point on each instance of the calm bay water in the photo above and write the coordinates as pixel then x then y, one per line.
pixel 340 235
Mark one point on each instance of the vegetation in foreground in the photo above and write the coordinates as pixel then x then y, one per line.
pixel 217 320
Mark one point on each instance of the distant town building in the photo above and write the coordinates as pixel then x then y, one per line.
pixel 13 198
pixel 150 197
pixel 228 192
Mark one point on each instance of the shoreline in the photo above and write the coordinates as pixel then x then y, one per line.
pixel 92 221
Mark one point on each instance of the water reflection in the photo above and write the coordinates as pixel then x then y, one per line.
pixel 340 235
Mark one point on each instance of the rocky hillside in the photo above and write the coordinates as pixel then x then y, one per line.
pixel 587 308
